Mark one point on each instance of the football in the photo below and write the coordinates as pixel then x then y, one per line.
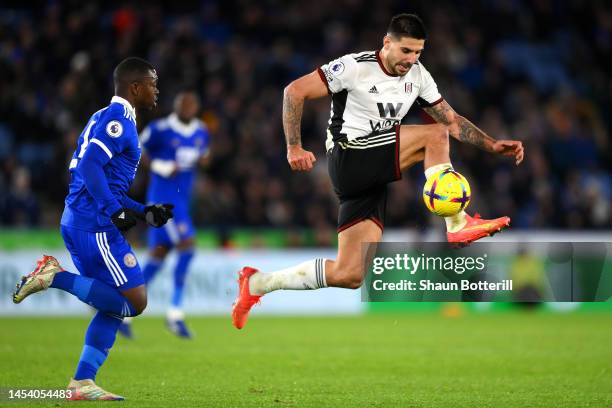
pixel 446 193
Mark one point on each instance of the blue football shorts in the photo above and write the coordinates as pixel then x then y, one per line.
pixel 105 256
pixel 177 229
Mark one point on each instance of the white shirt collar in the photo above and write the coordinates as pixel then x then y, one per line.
pixel 185 130
pixel 128 106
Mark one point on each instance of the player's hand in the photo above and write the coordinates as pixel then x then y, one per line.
pixel 510 148
pixel 300 159
pixel 124 219
pixel 157 215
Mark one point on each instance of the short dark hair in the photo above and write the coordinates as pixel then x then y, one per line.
pixel 407 25
pixel 131 69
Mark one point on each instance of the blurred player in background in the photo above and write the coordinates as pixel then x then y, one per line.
pixel 97 208
pixel 175 145
pixel 367 148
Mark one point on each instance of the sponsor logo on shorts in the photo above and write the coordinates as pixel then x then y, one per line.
pixel 129 260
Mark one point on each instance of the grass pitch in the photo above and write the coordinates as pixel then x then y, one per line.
pixel 379 360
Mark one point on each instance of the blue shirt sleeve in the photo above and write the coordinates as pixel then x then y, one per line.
pixel 113 134
pixel 133 205
pixel 91 168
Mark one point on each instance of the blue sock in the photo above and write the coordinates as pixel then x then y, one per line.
pixel 99 340
pixel 180 273
pixel 95 293
pixel 151 268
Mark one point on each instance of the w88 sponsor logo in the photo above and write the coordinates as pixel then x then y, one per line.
pixel 384 124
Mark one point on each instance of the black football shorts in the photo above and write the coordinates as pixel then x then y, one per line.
pixel 360 178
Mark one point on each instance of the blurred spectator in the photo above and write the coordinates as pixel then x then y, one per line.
pixel 19 206
pixel 528 277
pixel 538 72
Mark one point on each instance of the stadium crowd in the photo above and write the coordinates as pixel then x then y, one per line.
pixel 533 71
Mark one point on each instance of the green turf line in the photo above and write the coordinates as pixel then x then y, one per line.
pixel 384 360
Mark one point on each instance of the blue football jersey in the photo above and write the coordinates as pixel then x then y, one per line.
pixel 113 129
pixel 181 144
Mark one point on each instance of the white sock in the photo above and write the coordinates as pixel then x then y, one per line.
pixel 430 171
pixel 455 222
pixel 307 275
pixel 174 314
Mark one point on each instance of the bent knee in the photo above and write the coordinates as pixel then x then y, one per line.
pixel 438 135
pixel 138 301
pixel 354 282
pixel 139 307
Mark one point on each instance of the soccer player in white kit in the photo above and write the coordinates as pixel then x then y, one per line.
pixel 367 148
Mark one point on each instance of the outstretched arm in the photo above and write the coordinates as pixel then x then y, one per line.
pixel 465 131
pixel 309 86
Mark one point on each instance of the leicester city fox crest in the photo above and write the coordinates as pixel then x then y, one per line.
pixel 129 260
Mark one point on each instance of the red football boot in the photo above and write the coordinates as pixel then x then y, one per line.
pixel 245 301
pixel 477 228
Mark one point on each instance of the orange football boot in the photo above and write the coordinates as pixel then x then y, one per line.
pixel 245 301
pixel 477 228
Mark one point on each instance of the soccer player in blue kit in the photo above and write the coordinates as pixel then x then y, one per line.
pixel 175 146
pixel 96 210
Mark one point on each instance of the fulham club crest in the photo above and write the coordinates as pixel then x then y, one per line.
pixel 408 87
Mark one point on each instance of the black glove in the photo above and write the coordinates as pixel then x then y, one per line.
pixel 158 214
pixel 124 219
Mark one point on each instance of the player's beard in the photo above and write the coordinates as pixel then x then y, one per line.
pixel 398 68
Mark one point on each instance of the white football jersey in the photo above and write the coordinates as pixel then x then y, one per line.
pixel 368 102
